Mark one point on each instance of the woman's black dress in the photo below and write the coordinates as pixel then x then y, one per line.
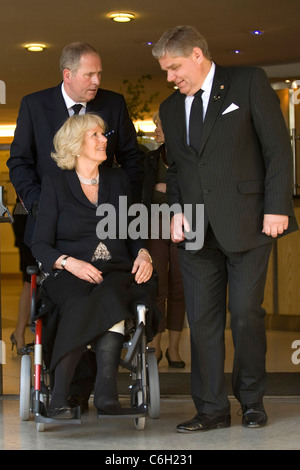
pixel 67 224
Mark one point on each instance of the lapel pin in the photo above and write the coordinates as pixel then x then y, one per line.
pixel 217 96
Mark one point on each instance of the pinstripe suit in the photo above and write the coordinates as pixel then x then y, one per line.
pixel 242 171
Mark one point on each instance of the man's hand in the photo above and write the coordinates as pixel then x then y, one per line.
pixel 274 225
pixel 179 224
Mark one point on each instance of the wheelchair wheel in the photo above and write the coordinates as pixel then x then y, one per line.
pixel 25 388
pixel 153 386
pixel 138 395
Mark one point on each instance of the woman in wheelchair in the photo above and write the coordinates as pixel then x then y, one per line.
pixel 93 279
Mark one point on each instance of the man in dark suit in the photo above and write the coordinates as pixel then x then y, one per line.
pixel 42 113
pixel 241 171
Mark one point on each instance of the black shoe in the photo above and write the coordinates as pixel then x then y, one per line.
pixel 175 364
pixel 65 412
pixel 110 407
pixel 27 349
pixel 203 422
pixel 75 401
pixel 254 415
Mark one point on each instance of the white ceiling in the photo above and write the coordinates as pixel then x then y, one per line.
pixel 125 55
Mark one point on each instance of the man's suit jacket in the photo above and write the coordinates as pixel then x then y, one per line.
pixel 243 169
pixel 41 114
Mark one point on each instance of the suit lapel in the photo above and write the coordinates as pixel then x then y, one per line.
pixel 218 92
pixel 75 187
pixel 57 102
pixel 57 112
pixel 179 114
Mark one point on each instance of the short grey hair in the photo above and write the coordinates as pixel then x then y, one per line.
pixel 71 55
pixel 69 138
pixel 180 42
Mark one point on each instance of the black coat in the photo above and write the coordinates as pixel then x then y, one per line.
pixel 66 224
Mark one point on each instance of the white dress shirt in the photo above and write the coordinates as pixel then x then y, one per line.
pixel 206 87
pixel 69 102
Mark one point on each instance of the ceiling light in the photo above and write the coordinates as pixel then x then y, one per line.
pixel 257 32
pixel 122 17
pixel 35 47
pixel 236 51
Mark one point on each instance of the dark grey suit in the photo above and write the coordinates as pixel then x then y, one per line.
pixel 242 171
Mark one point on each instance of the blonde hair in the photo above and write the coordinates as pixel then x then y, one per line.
pixel 68 140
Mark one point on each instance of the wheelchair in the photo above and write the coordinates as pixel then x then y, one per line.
pixel 139 360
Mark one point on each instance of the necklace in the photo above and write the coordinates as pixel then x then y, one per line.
pixel 92 181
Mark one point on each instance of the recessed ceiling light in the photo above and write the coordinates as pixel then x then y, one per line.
pixel 35 47
pixel 236 51
pixel 122 17
pixel 257 32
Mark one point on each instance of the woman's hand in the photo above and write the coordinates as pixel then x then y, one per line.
pixel 142 267
pixel 81 269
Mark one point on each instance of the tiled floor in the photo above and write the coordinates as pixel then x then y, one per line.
pixel 282 431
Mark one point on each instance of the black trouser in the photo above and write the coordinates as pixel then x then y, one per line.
pixel 206 276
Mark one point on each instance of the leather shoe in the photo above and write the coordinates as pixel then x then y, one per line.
pixel 204 422
pixel 65 412
pixel 75 401
pixel 254 415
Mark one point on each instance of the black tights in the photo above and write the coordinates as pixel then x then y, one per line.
pixel 108 350
pixel 63 376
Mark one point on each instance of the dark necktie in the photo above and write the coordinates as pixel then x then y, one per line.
pixel 196 121
pixel 77 108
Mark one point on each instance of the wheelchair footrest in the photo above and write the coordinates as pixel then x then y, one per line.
pixel 39 418
pixel 138 412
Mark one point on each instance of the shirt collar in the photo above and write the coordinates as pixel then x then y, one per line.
pixel 69 102
pixel 207 84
